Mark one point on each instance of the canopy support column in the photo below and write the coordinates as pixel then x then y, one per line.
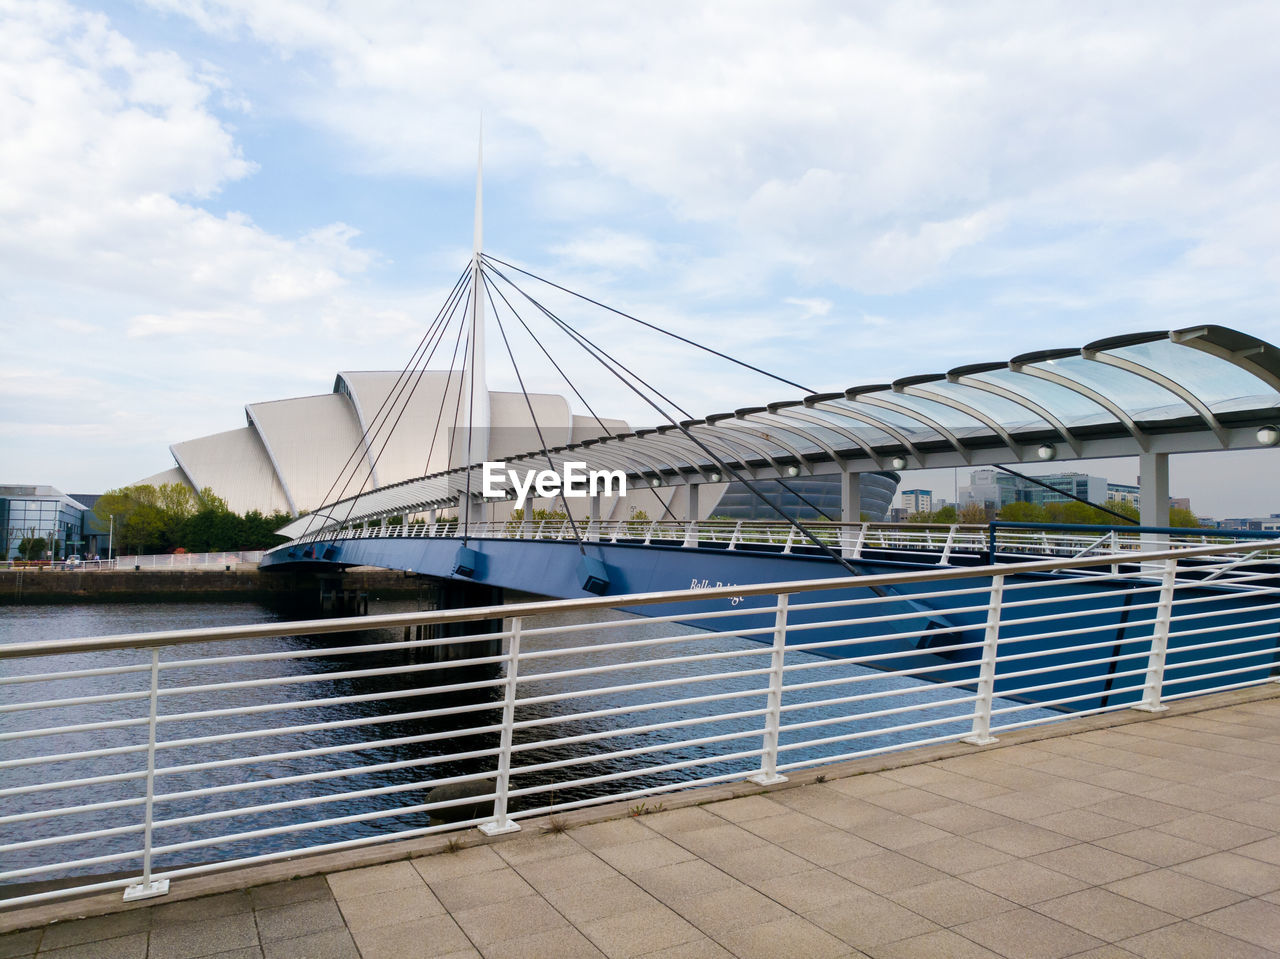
pixel 850 496
pixel 1153 488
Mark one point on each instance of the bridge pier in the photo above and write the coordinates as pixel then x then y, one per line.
pixel 456 595
pixel 336 600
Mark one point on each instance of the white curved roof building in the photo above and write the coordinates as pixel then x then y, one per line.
pixel 375 428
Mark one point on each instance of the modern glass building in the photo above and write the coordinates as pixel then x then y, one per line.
pixel 30 512
pixel 806 496
pixel 997 489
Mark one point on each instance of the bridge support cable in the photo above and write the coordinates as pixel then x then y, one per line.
pixel 444 399
pixel 572 334
pixel 600 355
pixel 412 373
pixel 652 326
pixel 604 430
pixel 379 418
pixel 417 380
pixel 577 534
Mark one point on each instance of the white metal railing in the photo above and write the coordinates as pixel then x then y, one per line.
pixel 58 565
pixel 191 560
pixel 939 544
pixel 131 761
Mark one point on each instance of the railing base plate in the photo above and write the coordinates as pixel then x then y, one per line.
pixel 980 740
pixel 1145 708
pixel 146 890
pixel 764 780
pixel 494 829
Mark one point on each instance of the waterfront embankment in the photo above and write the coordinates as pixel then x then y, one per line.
pixel 130 585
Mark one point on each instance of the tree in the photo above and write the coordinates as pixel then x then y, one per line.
pixel 32 547
pixel 946 514
pixel 1023 513
pixel 973 514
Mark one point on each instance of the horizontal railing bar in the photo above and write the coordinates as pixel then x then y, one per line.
pixel 877 713
pixel 828 663
pixel 340 773
pixel 874 751
pixel 633 773
pixel 879 694
pixel 637 707
pixel 597 648
pixel 74 674
pixel 867 733
pixel 320 727
pixel 1181 680
pixel 363 746
pixel 1113 691
pixel 634 751
pixel 1221 689
pixel 72 810
pixel 632 687
pixel 887 580
pixel 324 798
pixel 1059 717
pixel 625 731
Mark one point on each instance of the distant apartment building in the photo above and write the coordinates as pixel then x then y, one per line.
pixel 996 489
pixel 917 501
pixel 1255 524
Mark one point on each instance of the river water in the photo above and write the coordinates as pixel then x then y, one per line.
pixel 198 829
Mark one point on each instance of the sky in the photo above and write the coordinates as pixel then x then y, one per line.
pixel 210 203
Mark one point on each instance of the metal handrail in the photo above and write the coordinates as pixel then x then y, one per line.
pixel 585 713
pixel 938 543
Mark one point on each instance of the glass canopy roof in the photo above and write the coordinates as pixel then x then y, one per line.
pixel 1193 389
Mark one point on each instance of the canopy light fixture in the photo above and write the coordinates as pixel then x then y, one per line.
pixel 1047 451
pixel 1269 435
pixel 714 476
pixel 655 482
pixel 898 462
pixel 793 471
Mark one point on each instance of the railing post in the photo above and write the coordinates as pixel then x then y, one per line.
pixel 981 733
pixel 501 824
pixel 733 539
pixel 149 888
pixel 946 550
pixel 862 538
pixel 768 774
pixel 791 536
pixel 1151 688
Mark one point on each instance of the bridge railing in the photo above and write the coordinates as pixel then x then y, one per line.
pixel 130 761
pixel 938 543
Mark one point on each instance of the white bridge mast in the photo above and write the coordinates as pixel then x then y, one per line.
pixel 475 390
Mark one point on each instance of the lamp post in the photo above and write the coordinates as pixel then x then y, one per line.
pixel 111 536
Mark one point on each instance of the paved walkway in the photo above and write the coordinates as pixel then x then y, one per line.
pixel 1156 839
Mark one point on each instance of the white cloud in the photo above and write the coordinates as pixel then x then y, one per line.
pixel 866 148
pixel 956 182
pixel 810 307
pixel 608 249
